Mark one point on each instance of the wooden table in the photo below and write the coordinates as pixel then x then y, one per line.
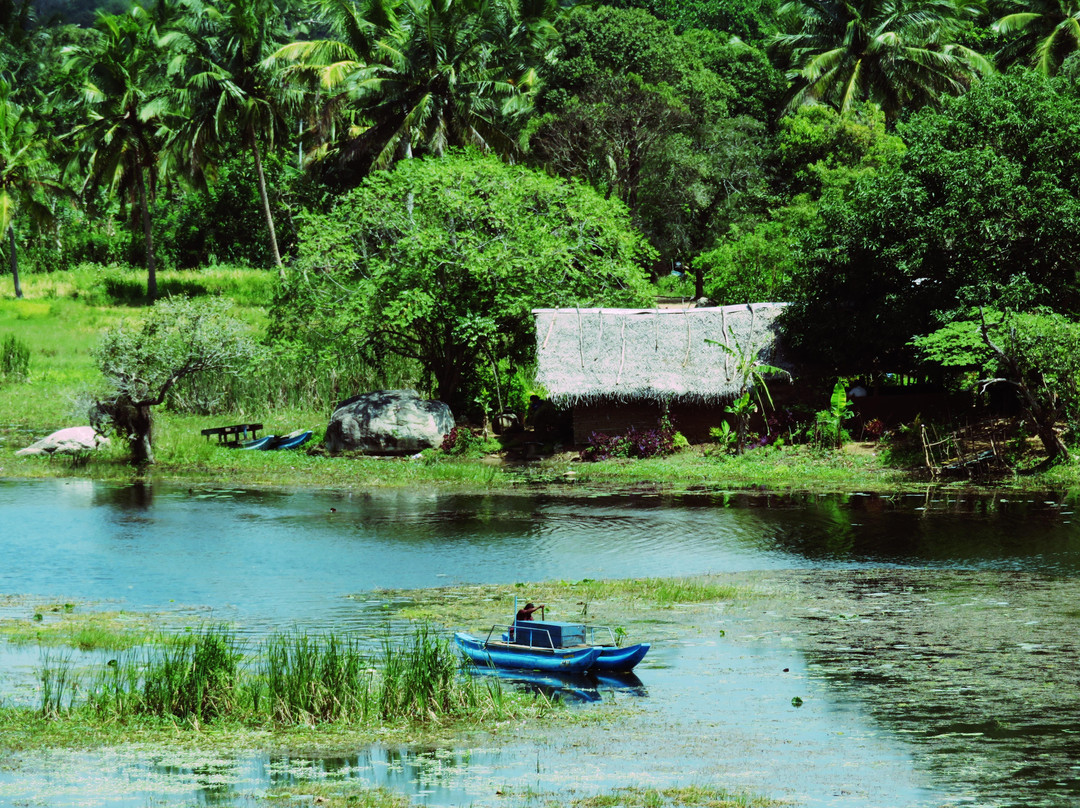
pixel 233 434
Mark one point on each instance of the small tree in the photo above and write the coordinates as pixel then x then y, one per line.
pixel 178 338
pixel 1037 354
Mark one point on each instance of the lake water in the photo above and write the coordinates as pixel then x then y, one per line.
pixel 272 559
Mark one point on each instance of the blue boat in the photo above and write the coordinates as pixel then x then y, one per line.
pixel 620 660
pixel 537 644
pixel 291 441
pixel 259 443
pixel 500 654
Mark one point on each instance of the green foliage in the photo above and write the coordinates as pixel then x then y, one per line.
pixel 464 442
pixel 442 261
pixel 986 196
pixel 898 56
pixel 828 432
pixel 416 78
pixel 662 121
pixel 1041 33
pixel 752 375
pixel 14 359
pixel 750 20
pixel 225 223
pixel 141 364
pixel 759 263
pixel 1037 354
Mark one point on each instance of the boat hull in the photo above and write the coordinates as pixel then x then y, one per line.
pixel 290 441
pixel 620 660
pixel 499 655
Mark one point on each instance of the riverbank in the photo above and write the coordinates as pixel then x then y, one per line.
pixel 184 457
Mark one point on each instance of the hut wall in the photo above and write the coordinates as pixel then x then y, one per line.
pixel 614 418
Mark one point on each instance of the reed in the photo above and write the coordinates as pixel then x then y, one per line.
pixel 316 678
pixel 297 679
pixel 421 680
pixel 58 684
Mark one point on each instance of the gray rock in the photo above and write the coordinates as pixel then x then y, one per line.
pixel 73 440
pixel 388 422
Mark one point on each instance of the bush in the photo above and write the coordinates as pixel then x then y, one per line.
pixel 637 443
pixel 464 442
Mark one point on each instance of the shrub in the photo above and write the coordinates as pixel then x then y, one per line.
pixel 637 443
pixel 464 442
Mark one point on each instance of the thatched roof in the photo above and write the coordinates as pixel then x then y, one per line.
pixel 653 354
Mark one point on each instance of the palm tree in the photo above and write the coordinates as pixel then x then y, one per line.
pixel 425 75
pixel 896 53
pixel 229 89
pixel 128 109
pixel 1048 31
pixel 24 179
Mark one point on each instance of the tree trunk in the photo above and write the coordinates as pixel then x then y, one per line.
pixel 140 435
pixel 265 199
pixel 148 238
pixel 13 259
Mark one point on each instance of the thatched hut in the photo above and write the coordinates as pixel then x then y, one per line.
pixel 619 368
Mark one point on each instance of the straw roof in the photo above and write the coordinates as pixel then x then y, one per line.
pixel 653 354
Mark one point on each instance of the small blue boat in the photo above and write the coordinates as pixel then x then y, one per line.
pixel 259 443
pixel 499 654
pixel 620 660
pixel 291 441
pixel 536 645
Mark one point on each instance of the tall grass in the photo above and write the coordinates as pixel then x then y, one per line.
pixel 310 679
pixel 297 678
pixel 58 684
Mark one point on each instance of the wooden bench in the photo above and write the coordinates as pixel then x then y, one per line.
pixel 233 434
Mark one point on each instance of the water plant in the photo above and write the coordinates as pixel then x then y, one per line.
pixel 295 679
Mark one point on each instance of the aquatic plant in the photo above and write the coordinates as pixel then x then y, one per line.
pixel 315 678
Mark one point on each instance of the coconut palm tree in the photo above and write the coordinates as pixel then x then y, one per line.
pixel 25 181
pixel 128 111
pixel 1047 31
pixel 228 90
pixel 420 76
pixel 896 53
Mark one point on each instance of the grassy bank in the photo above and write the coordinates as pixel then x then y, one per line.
pixel 63 315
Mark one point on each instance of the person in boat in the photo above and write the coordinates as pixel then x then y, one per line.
pixel 524 614
pixel 528 611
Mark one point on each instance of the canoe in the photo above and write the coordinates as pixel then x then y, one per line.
pixel 259 443
pixel 620 660
pixel 291 441
pixel 496 654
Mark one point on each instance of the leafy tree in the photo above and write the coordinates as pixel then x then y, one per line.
pixel 900 54
pixel 1042 32
pixel 229 91
pixel 127 110
pixel 817 153
pixel 1037 354
pixel 750 20
pixel 416 77
pixel 632 108
pixel 25 181
pixel 987 192
pixel 143 362
pixel 442 261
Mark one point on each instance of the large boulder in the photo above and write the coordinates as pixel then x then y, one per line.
pixel 388 422
pixel 73 440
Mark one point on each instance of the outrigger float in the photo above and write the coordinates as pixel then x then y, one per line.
pixel 539 645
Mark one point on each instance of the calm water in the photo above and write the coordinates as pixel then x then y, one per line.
pixel 270 559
